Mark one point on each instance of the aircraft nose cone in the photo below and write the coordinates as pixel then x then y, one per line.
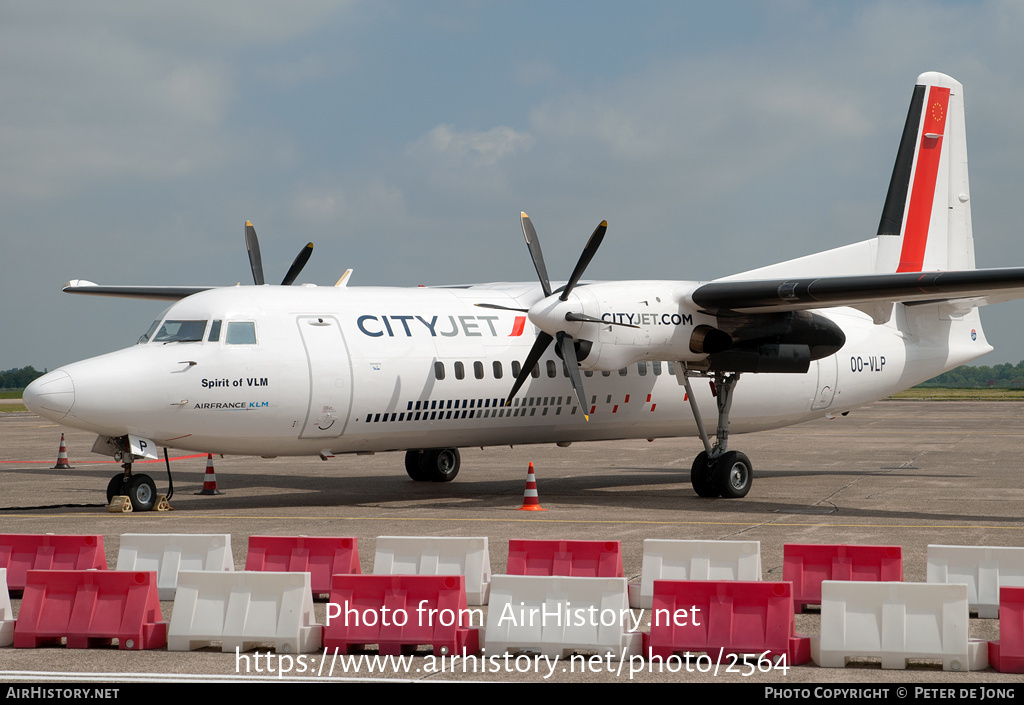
pixel 50 396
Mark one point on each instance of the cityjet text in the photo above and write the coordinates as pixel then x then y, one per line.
pixel 446 327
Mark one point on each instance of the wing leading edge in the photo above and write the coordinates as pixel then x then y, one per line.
pixel 160 293
pixel 795 294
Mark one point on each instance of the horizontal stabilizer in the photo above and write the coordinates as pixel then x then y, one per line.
pixel 823 292
pixel 161 293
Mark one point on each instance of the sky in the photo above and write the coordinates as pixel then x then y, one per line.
pixel 404 139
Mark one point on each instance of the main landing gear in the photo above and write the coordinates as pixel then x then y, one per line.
pixel 718 471
pixel 436 465
pixel 140 489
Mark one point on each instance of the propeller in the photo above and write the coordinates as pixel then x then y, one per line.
pixel 565 344
pixel 252 244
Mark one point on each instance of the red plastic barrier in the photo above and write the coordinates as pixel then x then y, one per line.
pixel 20 553
pixel 806 565
pixel 320 556
pixel 581 559
pixel 401 612
pixel 90 608
pixel 1007 654
pixel 725 616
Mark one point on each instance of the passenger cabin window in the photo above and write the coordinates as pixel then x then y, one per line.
pixel 241 333
pixel 552 370
pixel 460 371
pixel 478 369
pixel 181 332
pixel 497 369
pixel 439 370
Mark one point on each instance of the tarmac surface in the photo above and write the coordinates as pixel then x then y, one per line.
pixel 901 473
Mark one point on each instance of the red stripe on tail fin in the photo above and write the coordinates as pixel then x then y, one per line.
pixel 919 211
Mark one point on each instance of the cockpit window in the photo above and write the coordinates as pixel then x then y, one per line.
pixel 181 332
pixel 149 333
pixel 214 335
pixel 241 333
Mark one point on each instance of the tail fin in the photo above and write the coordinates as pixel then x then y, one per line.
pixel 926 220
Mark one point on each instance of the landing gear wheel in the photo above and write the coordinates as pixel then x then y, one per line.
pixel 116 487
pixel 142 492
pixel 440 465
pixel 734 474
pixel 414 465
pixel 702 477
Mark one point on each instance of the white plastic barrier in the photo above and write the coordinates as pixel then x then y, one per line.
pixel 669 559
pixel 439 555
pixel 246 610
pixel 984 569
pixel 6 613
pixel 895 622
pixel 168 554
pixel 556 615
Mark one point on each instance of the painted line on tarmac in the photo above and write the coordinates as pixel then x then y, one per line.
pixel 109 462
pixel 193 515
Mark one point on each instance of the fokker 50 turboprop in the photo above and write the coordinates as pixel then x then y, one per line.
pixel 306 370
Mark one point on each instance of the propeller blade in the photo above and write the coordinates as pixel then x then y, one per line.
pixel 538 259
pixel 568 347
pixel 583 318
pixel 588 254
pixel 298 264
pixel 543 341
pixel 503 308
pixel 253 246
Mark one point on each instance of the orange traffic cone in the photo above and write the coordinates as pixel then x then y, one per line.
pixel 62 456
pixel 531 501
pixel 210 479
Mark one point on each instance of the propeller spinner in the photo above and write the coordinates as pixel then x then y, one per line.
pixel 252 244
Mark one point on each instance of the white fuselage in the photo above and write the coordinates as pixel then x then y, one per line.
pixel 345 370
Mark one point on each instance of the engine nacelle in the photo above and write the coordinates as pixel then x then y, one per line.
pixel 777 342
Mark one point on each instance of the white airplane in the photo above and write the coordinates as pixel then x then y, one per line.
pixel 307 370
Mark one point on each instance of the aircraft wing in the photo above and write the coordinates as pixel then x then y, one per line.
pixel 766 295
pixel 162 293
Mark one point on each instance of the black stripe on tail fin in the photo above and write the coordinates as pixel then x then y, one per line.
pixel 893 211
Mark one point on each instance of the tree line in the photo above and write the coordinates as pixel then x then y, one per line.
pixel 19 377
pixel 1002 376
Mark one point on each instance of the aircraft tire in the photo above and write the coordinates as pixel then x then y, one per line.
pixel 142 492
pixel 414 465
pixel 734 475
pixel 702 477
pixel 116 487
pixel 441 464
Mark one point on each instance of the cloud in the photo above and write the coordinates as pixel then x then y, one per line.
pixel 110 92
pixel 476 149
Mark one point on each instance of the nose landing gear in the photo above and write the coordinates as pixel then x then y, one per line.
pixel 140 489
